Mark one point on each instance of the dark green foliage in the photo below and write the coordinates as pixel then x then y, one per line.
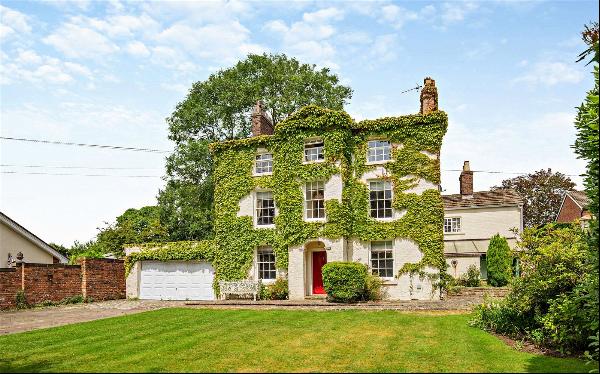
pixel 275 291
pixel 219 109
pixel 544 304
pixel 586 147
pixel 542 193
pixel 499 261
pixel 472 278
pixel 21 300
pixel 345 281
pixel 374 290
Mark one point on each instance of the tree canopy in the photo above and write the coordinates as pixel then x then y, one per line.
pixel 542 192
pixel 220 108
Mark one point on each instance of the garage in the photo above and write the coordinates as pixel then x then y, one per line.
pixel 176 280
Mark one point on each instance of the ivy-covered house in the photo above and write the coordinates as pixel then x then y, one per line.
pixel 320 187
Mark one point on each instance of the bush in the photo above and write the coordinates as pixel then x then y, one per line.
pixel 276 291
pixel 21 300
pixel 472 278
pixel 374 290
pixel 545 305
pixel 499 261
pixel 345 281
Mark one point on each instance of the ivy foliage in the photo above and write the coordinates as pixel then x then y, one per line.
pixel 416 143
pixel 170 251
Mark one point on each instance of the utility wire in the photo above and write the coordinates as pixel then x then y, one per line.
pixel 115 147
pixel 504 172
pixel 74 167
pixel 82 175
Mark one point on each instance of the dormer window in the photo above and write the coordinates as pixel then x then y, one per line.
pixel 263 163
pixel 313 150
pixel 379 151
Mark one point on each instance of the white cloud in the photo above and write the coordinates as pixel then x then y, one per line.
pixel 550 74
pixel 117 26
pixel 80 42
pixel 397 16
pixel 457 11
pixel 30 67
pixel 137 48
pixel 323 15
pixel 12 22
pixel 28 57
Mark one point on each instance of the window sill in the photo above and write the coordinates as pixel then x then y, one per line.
pixel 389 282
pixel 317 220
pixel 312 162
pixel 257 226
pixel 454 233
pixel 370 163
pixel 267 281
pixel 262 174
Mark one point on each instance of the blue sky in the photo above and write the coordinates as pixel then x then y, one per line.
pixel 110 72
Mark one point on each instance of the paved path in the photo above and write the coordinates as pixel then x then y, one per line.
pixel 32 319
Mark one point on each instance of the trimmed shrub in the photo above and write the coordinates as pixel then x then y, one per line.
pixel 472 278
pixel 374 290
pixel 345 281
pixel 499 262
pixel 275 291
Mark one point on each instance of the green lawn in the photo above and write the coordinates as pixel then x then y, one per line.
pixel 276 340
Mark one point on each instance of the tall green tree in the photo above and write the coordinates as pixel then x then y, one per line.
pixel 134 226
pixel 542 192
pixel 586 147
pixel 220 108
pixel 499 261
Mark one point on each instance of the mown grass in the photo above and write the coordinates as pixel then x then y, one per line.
pixel 270 340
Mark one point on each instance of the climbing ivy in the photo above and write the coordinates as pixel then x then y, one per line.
pixel 416 143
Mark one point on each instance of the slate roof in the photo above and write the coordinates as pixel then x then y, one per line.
pixel 496 198
pixel 580 198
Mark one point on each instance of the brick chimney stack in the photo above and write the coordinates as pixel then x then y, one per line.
pixel 261 123
pixel 466 181
pixel 429 96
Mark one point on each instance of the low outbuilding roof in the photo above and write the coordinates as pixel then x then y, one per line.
pixel 495 198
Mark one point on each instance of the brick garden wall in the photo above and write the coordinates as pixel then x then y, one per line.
pixel 98 279
pixel 103 279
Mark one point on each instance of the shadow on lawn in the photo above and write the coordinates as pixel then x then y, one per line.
pixel 33 367
pixel 545 364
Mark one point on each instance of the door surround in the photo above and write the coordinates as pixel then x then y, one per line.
pixel 309 248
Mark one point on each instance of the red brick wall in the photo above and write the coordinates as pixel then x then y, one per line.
pixel 50 282
pixel 103 279
pixel 98 279
pixel 569 211
pixel 10 284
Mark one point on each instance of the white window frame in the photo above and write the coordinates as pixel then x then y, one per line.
pixel 454 229
pixel 388 253
pixel 260 261
pixel 308 186
pixel 258 161
pixel 373 148
pixel 320 155
pixel 391 199
pixel 257 208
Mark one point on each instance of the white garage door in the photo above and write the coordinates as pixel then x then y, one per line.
pixel 177 280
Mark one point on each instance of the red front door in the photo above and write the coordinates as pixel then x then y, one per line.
pixel 318 260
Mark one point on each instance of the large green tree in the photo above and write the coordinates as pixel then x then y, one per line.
pixel 220 108
pixel 542 192
pixel 586 147
pixel 134 226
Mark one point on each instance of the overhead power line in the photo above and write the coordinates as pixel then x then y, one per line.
pixel 75 167
pixel 102 146
pixel 82 175
pixel 505 172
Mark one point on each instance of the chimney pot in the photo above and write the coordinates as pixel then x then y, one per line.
pixel 466 181
pixel 261 123
pixel 429 96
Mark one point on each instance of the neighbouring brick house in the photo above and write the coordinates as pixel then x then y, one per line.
pixel 472 218
pixel 574 207
pixel 315 188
